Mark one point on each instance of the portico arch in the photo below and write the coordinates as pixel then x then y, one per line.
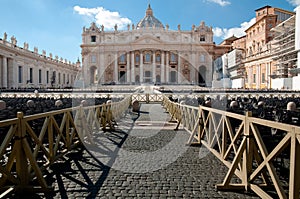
pixel 93 75
pixel 202 76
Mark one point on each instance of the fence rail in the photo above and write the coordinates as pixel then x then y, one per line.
pixel 29 144
pixel 239 141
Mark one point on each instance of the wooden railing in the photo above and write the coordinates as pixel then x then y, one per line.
pixel 29 144
pixel 147 97
pixel 239 141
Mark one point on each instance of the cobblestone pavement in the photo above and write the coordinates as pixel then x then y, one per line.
pixel 129 167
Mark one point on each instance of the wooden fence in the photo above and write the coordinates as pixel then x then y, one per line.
pixel 251 148
pixel 29 144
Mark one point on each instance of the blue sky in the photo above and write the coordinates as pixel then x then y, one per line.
pixel 56 25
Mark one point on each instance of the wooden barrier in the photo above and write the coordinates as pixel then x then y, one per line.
pixel 27 149
pixel 237 141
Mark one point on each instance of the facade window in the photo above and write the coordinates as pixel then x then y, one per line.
pixel 173 57
pixel 137 58
pixel 93 58
pixel 30 75
pixel 47 77
pixel 148 58
pixel 254 78
pixel 40 76
pixel 20 74
pixel 58 78
pixel 64 78
pixel 202 37
pixel 53 80
pixel 157 66
pixel 263 78
pixel 122 58
pixel 158 58
pixel 93 38
pixel 202 58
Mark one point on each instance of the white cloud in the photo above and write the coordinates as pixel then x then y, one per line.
pixel 103 17
pixel 294 2
pixel 225 33
pixel 220 2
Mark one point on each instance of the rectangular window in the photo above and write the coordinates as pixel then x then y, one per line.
pixel 30 75
pixel 93 58
pixel 254 78
pixel 47 77
pixel 53 78
pixel 40 76
pixel 263 78
pixel 20 74
pixel 122 58
pixel 158 58
pixel 148 58
pixel 173 57
pixel 64 78
pixel 93 38
pixel 202 37
pixel 58 78
pixel 137 58
pixel 202 58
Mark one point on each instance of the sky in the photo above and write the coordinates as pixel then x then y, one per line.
pixel 56 25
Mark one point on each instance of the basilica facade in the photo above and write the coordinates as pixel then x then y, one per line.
pixel 149 52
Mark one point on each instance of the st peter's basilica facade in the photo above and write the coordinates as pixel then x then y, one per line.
pixel 149 53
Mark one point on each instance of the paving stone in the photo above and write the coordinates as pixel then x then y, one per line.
pixel 185 176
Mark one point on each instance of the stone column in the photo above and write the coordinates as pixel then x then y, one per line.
pixel 193 70
pixel 167 68
pixel 101 71
pixel 12 73
pixel 250 76
pixel 4 65
pixel 179 69
pixel 154 68
pixel 128 68
pixel 132 68
pixel 258 76
pixel 141 68
pixel 1 73
pixel 268 74
pixel 162 67
pixel 116 68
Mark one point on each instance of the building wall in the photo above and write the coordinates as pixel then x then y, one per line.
pixel 259 64
pixel 22 68
pixel 126 52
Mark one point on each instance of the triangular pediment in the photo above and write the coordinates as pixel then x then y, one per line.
pixel 147 39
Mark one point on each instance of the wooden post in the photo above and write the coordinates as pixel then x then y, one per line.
pixel 248 153
pixel 21 160
pixel 294 184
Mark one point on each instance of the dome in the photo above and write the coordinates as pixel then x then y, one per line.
pixel 149 20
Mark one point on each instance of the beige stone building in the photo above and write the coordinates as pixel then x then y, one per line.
pixel 259 63
pixel 23 68
pixel 149 52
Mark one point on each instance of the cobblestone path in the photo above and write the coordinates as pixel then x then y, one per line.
pixel 143 158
